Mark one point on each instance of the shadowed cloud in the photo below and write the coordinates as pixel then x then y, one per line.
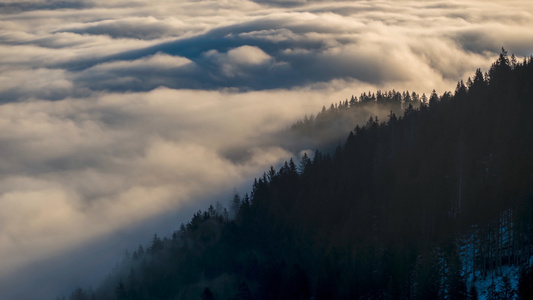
pixel 19 6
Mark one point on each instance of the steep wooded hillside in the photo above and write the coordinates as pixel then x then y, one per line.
pixel 382 217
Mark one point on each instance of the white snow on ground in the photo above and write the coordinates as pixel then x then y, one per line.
pixel 483 283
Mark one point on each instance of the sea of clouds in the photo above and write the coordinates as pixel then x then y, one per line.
pixel 118 116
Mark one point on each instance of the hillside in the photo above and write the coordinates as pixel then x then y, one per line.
pixel 421 206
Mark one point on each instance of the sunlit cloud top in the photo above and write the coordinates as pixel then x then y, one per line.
pixel 89 46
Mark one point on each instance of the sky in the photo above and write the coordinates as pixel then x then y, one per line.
pixel 120 118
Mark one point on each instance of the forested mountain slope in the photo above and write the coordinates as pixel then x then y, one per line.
pixel 380 218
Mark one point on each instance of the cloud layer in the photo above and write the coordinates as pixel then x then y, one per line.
pixel 78 170
pixel 117 112
pixel 91 47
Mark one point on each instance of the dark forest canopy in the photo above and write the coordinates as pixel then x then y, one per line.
pixel 379 218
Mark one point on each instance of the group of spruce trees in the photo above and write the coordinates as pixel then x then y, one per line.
pixel 379 218
pixel 330 125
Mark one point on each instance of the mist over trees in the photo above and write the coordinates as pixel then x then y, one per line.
pixel 388 215
pixel 329 127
